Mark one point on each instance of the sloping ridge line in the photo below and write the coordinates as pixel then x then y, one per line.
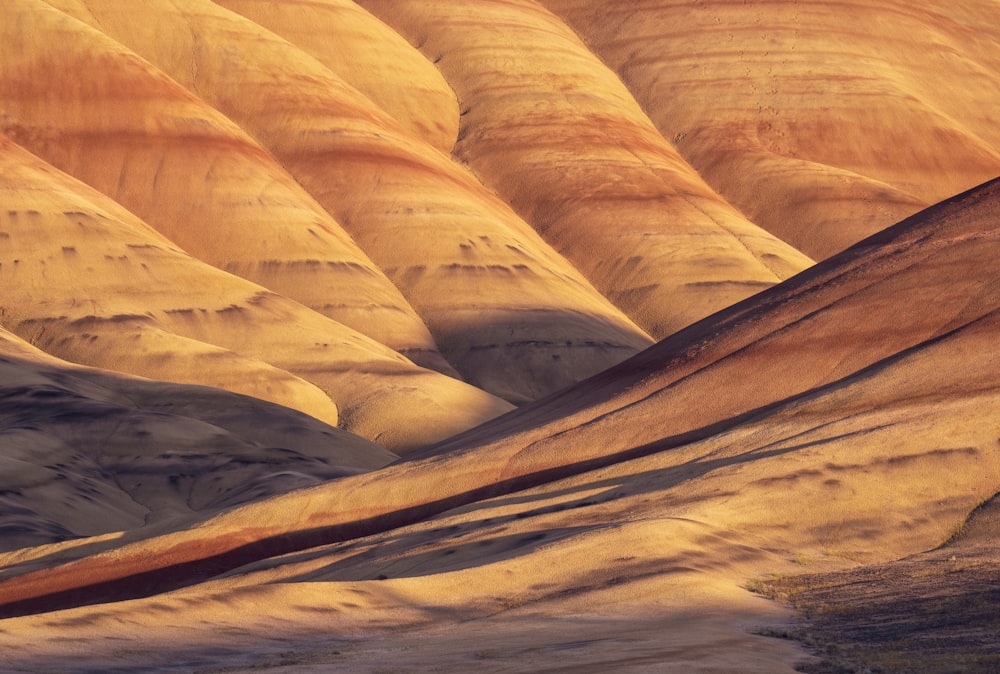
pixel 125 574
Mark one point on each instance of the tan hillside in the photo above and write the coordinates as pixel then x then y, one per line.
pixel 88 452
pixel 509 313
pixel 189 172
pixel 559 137
pixel 89 282
pixel 370 56
pixel 624 502
pixel 234 233
pixel 822 121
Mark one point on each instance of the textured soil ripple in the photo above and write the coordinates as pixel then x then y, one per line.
pixel 934 612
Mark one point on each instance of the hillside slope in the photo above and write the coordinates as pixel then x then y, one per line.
pixel 510 314
pixel 792 462
pixel 559 137
pixel 89 282
pixel 88 452
pixel 822 121
pixel 380 336
pixel 370 56
pixel 99 112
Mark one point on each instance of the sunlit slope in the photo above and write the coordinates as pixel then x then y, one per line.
pixel 882 467
pixel 87 281
pixel 370 56
pixel 512 315
pixel 822 121
pixel 102 114
pixel 785 419
pixel 87 452
pixel 559 137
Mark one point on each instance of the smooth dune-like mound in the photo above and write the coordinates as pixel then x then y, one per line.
pixel 370 56
pixel 284 200
pixel 777 424
pixel 89 282
pixel 87 452
pixel 823 122
pixel 554 131
pixel 510 314
pixel 99 112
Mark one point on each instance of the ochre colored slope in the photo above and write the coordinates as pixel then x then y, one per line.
pixel 508 312
pixel 87 281
pixel 823 122
pixel 559 137
pixel 99 112
pixel 842 423
pixel 898 290
pixel 370 56
pixel 87 452
pixel 785 418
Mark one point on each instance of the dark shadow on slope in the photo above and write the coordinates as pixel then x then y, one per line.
pixel 935 612
pixel 523 355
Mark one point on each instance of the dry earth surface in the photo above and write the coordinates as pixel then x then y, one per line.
pixel 521 335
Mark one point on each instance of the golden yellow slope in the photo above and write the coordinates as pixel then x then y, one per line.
pixel 507 311
pixel 603 535
pixel 89 282
pixel 824 121
pixel 101 113
pixel 846 416
pixel 871 443
pixel 559 137
pixel 370 56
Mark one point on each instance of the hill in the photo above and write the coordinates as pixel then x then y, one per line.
pixel 512 335
pixel 614 491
